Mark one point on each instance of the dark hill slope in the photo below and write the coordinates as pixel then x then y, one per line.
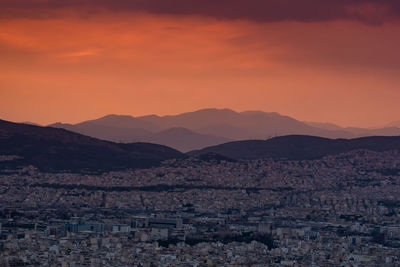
pixel 58 149
pixel 299 147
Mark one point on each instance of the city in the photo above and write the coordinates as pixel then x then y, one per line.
pixel 200 133
pixel 342 210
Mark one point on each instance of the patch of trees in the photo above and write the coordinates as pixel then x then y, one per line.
pixel 246 237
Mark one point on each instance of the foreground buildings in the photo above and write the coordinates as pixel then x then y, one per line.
pixel 341 210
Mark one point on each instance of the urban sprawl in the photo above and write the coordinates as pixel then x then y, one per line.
pixel 342 210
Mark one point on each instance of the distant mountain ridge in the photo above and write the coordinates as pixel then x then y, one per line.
pixel 360 132
pixel 53 149
pixel 299 147
pixel 208 127
pixel 176 137
pixel 394 124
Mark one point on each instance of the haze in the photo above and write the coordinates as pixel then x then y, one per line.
pixel 77 60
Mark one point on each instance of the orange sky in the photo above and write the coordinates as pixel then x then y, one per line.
pixel 68 65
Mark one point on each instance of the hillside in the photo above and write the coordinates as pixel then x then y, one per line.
pixel 54 149
pixel 299 147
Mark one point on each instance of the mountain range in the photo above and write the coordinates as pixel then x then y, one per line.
pixel 209 127
pixel 54 149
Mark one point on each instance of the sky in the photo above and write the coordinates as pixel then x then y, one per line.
pixel 72 60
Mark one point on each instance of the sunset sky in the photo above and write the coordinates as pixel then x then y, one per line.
pixel 72 60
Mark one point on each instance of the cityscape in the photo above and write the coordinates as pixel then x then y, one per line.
pixel 342 210
pixel 200 133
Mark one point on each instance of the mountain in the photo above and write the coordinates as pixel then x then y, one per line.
pixel 106 132
pixel 53 149
pixel 385 131
pixel 239 125
pixel 124 122
pixel 207 127
pixel 394 124
pixel 325 125
pixel 184 139
pixel 179 138
pixel 247 125
pixel 298 147
pixel 154 129
pixel 388 130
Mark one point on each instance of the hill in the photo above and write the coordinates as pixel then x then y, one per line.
pixel 53 149
pixel 298 147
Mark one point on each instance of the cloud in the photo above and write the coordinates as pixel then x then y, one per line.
pixel 366 11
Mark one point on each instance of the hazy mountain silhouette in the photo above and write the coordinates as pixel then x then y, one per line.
pixel 106 132
pixel 298 147
pixel 394 124
pixel 387 131
pixel 360 132
pixel 162 130
pixel 184 139
pixel 57 149
pixel 234 125
pixel 208 127
pixel 125 122
pixel 325 125
pixel 178 138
